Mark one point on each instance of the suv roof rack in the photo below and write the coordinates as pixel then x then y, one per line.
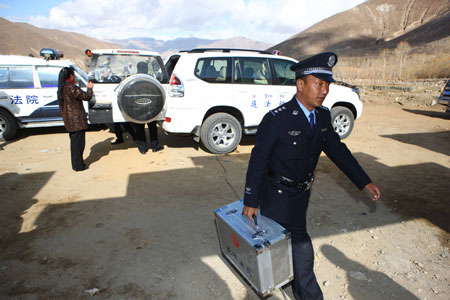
pixel 224 50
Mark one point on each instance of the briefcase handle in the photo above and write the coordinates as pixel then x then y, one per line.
pixel 255 219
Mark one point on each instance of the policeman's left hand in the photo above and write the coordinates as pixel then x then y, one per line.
pixel 374 190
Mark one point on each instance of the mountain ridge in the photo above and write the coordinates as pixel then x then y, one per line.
pixel 24 39
pixel 372 26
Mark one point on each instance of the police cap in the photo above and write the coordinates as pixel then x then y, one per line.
pixel 319 65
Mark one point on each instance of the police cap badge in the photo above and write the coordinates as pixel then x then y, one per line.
pixel 319 65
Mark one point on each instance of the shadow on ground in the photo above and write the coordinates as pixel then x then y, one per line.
pixel 26 132
pixel 159 240
pixel 428 140
pixel 364 283
pixel 429 113
pixel 411 191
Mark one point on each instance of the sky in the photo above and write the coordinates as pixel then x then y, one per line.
pixel 271 21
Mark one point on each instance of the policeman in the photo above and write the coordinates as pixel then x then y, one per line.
pixel 280 173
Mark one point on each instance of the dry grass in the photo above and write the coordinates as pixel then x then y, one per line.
pixel 392 65
pixel 419 92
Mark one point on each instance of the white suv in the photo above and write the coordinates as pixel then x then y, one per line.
pixel 28 87
pixel 216 94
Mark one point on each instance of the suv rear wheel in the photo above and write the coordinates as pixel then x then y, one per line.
pixel 8 125
pixel 342 120
pixel 221 133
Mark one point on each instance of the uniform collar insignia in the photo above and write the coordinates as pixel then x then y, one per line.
pixel 295 112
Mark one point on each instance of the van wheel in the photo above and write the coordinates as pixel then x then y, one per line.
pixel 342 120
pixel 8 125
pixel 221 133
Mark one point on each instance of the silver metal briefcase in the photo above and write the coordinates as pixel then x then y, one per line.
pixel 260 252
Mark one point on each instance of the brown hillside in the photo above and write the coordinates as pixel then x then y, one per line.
pixel 23 39
pixel 375 25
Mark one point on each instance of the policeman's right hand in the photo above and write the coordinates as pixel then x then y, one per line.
pixel 249 212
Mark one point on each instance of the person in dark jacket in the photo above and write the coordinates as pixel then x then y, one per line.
pixel 280 173
pixel 70 100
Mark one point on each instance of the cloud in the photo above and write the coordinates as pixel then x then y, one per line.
pixel 263 20
pixel 4 6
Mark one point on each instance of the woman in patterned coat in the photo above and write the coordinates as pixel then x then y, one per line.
pixel 70 98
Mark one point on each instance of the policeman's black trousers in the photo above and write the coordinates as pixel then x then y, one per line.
pixel 77 144
pixel 304 286
pixel 140 135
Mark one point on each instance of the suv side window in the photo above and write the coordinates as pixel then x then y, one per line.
pixel 283 71
pixel 249 70
pixel 3 78
pixel 48 76
pixel 214 70
pixel 21 77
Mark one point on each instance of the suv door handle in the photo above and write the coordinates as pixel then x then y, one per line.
pixel 3 97
pixel 47 96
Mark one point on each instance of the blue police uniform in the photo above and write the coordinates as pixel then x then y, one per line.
pixel 281 170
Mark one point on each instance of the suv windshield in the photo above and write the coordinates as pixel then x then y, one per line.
pixel 113 68
pixel 79 72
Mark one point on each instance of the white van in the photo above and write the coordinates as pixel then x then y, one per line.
pixel 216 94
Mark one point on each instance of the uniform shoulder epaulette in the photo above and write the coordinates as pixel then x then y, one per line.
pixel 277 110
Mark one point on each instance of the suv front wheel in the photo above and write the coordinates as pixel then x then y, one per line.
pixel 221 133
pixel 8 125
pixel 342 120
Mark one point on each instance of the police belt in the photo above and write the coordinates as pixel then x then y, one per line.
pixel 300 185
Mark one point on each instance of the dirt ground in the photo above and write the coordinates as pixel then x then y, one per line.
pixel 142 226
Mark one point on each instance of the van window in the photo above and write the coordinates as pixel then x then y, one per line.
pixel 283 71
pixel 20 77
pixel 214 70
pixel 48 76
pixel 249 70
pixel 3 78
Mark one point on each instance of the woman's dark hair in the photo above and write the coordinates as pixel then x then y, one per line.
pixel 64 74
